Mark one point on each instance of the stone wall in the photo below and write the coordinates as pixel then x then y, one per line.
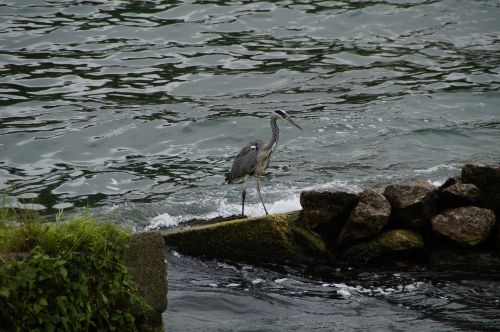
pixel 413 222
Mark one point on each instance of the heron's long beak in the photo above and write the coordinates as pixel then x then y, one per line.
pixel 293 123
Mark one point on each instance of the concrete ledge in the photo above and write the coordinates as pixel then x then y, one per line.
pixel 146 262
pixel 277 238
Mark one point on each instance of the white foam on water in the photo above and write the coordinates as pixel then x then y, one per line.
pixel 167 220
pixel 284 205
pixel 347 291
pixel 343 292
pixel 336 184
pixel 437 183
pixel 253 207
pixel 257 281
pixel 227 266
pixel 440 167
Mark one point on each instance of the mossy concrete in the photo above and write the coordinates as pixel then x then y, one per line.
pixel 146 262
pixel 393 241
pixel 276 238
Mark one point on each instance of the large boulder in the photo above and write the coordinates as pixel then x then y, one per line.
pixel 276 238
pixel 393 241
pixel 468 226
pixel 323 206
pixel 146 262
pixel 460 194
pixel 412 204
pixel 367 219
pixel 487 179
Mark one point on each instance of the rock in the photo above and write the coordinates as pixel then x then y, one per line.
pixel 146 262
pixel 464 259
pixel 276 238
pixel 449 182
pixel 487 179
pixel 367 219
pixel 412 204
pixel 324 206
pixel 468 226
pixel 460 194
pixel 392 241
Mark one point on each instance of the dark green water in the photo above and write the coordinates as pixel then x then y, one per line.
pixel 136 109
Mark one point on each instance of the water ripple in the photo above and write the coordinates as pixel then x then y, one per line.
pixel 167 93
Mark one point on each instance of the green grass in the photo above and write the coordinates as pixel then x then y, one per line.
pixel 71 275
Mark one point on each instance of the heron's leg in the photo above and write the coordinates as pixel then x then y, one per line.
pixel 243 195
pixel 258 192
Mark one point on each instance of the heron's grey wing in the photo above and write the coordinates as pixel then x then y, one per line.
pixel 245 162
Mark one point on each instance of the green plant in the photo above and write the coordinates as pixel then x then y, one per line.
pixel 72 278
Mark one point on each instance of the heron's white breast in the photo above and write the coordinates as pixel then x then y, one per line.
pixel 263 159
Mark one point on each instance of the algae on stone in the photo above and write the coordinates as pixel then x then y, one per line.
pixel 396 240
pixel 276 238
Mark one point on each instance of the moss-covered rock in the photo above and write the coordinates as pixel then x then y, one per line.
pixel 367 219
pixel 276 238
pixel 468 226
pixel 393 241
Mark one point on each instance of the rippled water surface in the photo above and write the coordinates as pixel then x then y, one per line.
pixel 216 296
pixel 136 108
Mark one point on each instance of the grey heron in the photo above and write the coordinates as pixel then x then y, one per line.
pixel 254 158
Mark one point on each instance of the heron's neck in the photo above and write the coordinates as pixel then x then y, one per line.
pixel 276 135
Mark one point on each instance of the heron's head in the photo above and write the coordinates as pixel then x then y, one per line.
pixel 284 116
